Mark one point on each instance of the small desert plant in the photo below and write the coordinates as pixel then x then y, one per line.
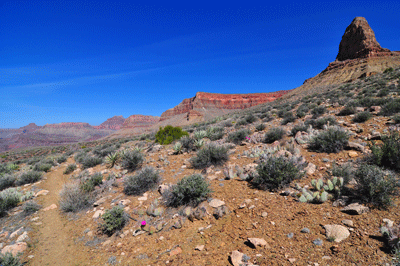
pixel 318 111
pixel 238 136
pixel 347 110
pixel 376 186
pixel 200 134
pixel 168 134
pixel 28 178
pixel 89 162
pixel 9 198
pixel 187 143
pixel 89 184
pixel 276 172
pixel 112 159
pixel 288 118
pixel 30 207
pixel 44 167
pixel 6 181
pixel 177 148
pixel 132 160
pixel 70 168
pixel 250 118
pixel 274 134
pixel 114 219
pixel 297 128
pixel 210 154
pixel 8 259
pixel 396 119
pixel 61 159
pixel 215 133
pixel 260 127
pixel 387 154
pixel 390 108
pixel 146 179
pixel 73 199
pixel 332 140
pixel 198 143
pixel 12 167
pixel 362 117
pixel 190 190
pixel 321 122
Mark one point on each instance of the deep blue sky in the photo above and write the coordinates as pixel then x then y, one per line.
pixel 86 61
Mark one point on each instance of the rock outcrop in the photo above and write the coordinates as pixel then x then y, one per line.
pixel 113 123
pixel 68 125
pixel 140 121
pixel 194 108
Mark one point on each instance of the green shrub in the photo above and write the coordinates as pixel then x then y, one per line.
pixel 387 154
pixel 89 162
pixel 114 219
pixel 80 157
pixel 73 199
pixel 332 140
pixel 132 160
pixel 302 110
pixel 43 167
pixel 376 186
pixel 238 136
pixel 210 154
pixel 300 127
pixel 241 122
pixel 318 111
pixel 396 118
pixel 70 168
pixel 89 184
pixel 9 198
pixel 215 133
pixel 288 118
pixel 8 259
pixel 7 181
pixel 347 110
pixel 31 207
pixel 274 134
pixel 362 117
pixel 28 178
pixel 190 190
pixel 345 170
pixel 146 179
pixel 200 134
pixel 62 159
pixel 250 118
pixel 260 127
pixel 383 93
pixel 275 173
pixel 168 134
pixel 321 122
pixel 112 159
pixel 390 108
pixel 33 160
pixel 187 143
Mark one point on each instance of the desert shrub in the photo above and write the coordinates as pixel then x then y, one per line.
pixel 302 110
pixel 321 122
pixel 73 199
pixel 383 93
pixel 390 108
pixel 276 172
pixel 332 140
pixel 260 127
pixel 388 153
pixel 376 186
pixel 9 198
pixel 250 118
pixel 187 143
pixel 12 167
pixel 89 162
pixel 362 117
pixel 227 123
pixel 168 134
pixel 89 184
pixel 146 179
pixel 6 181
pixel 296 128
pixel 210 154
pixel 274 134
pixel 30 207
pixel 80 157
pixel 238 136
pixel 28 178
pixel 70 168
pixel 200 134
pixel 345 170
pixel 318 111
pixel 396 118
pixel 43 167
pixel 132 160
pixel 114 219
pixel 288 118
pixel 61 159
pixel 190 190
pixel 215 133
pixel 347 110
pixel 33 160
pixel 8 259
pixel 241 122
pixel 104 150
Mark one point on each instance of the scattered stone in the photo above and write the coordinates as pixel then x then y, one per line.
pixel 17 232
pixel 15 249
pixel 264 214
pixel 252 207
pixel 99 202
pixel 352 154
pixel 305 230
pixel 258 242
pixel 112 260
pixel 336 232
pixel 22 238
pixel 326 258
pixel 325 160
pixel 215 203
pixel 187 211
pixel 292 260
pixel 124 202
pixel 143 256
pixel 387 222
pixel 238 258
pixel 42 192
pixel 97 214
pixel 355 208
pixel 310 169
pixel 162 189
pixel 199 247
pixel 51 207
pixel 318 242
pixel 220 211
pixel 199 213
pixel 348 222
pixel 355 146
pixel 175 251
pixel 290 235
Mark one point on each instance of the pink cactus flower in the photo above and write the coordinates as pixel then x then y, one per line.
pixel 143 223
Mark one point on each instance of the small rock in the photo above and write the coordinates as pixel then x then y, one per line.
pixel 17 232
pixel 162 189
pixel 317 242
pixel 199 247
pixel 305 230
pixel 124 202
pixel 42 192
pixel 15 249
pixel 348 222
pixel 23 237
pixel 258 242
pixel 336 232
pixel 99 202
pixel 175 251
pixel 215 203
pixel 51 207
pixel 237 258
pixel 97 214
pixel 355 208
pixel 292 260
pixel 387 222
pixel 310 169
pixel 220 211
pixel 326 258
pixel 290 235
pixel 264 214
pixel 352 154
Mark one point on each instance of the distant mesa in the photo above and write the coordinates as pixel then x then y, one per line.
pixel 113 123
pixel 140 121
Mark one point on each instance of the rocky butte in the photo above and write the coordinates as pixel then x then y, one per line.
pixel 360 55
pixel 113 123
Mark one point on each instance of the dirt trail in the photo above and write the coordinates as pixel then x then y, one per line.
pixel 53 240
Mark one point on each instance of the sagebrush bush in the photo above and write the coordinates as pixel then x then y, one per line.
pixel 274 134
pixel 9 198
pixel 90 183
pixel 89 162
pixel 260 127
pixel 8 259
pixel 70 168
pixel 362 117
pixel 347 110
pixel 114 219
pixel 318 111
pixel 146 179
pixel 215 133
pixel 187 143
pixel 345 170
pixel 388 153
pixel 190 190
pixel 302 110
pixel 73 199
pixel 390 108
pixel 61 159
pixel 396 119
pixel 28 178
pixel 321 122
pixel 210 154
pixel 238 136
pixel 375 185
pixel 276 172
pixel 6 181
pixel 30 207
pixel 43 167
pixel 288 118
pixel 132 160
pixel 296 128
pixel 250 118
pixel 168 134
pixel 332 140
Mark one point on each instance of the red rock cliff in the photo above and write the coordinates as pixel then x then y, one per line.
pixel 113 123
pixel 140 121
pixel 220 101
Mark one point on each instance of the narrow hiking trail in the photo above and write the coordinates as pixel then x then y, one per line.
pixel 54 233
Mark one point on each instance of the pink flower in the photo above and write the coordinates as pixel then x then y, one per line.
pixel 143 223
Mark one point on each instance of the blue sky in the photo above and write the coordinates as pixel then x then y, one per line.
pixel 86 61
